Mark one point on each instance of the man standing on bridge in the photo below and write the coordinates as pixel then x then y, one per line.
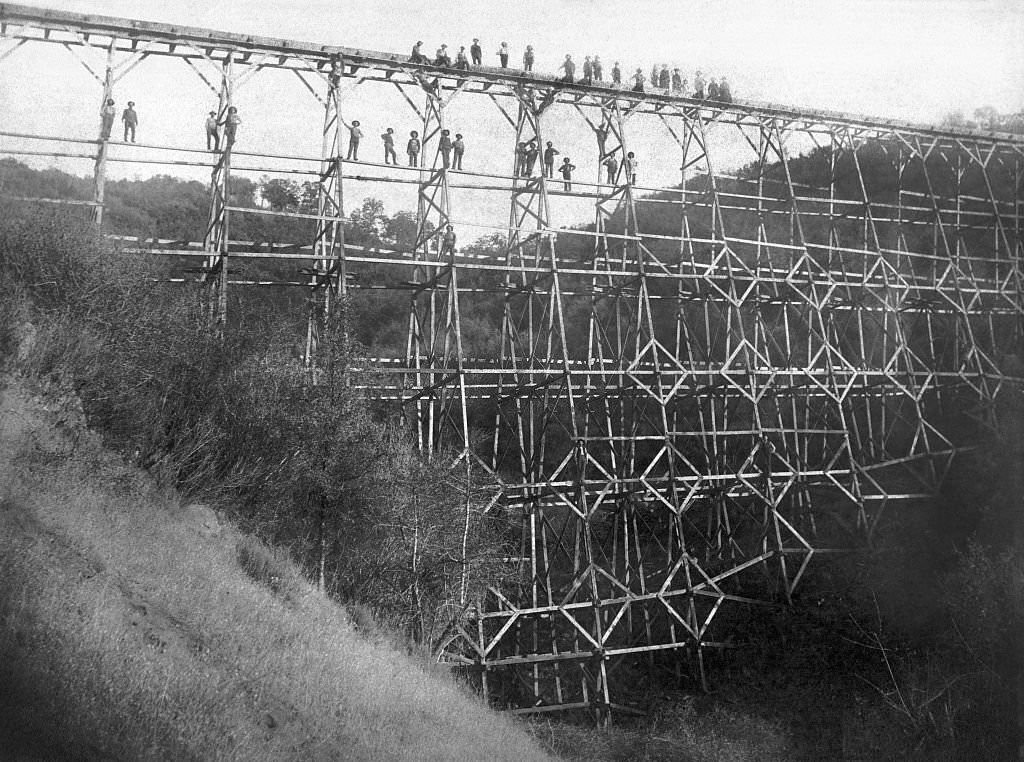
pixel 107 119
pixel 130 117
pixel 698 86
pixel 566 169
pixel 445 146
pixel 461 62
pixel 503 55
pixel 476 52
pixel 390 157
pixel 570 69
pixel 638 81
pixel 528 58
pixel 598 72
pixel 724 91
pixel 354 136
pixel 412 149
pixel 612 165
pixel 231 122
pixel 212 136
pixel 448 242
pixel 459 148
pixel 616 74
pixel 630 164
pixel 549 159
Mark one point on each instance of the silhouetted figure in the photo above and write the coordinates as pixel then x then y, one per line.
pixel 712 90
pixel 458 150
pixel 550 152
pixel 631 164
pixel 528 58
pixel 532 152
pixel 616 74
pixel 212 134
pixel 698 86
pixel 130 118
pixel 412 149
pixel 664 79
pixel 724 91
pixel 677 81
pixel 570 69
pixel 638 81
pixel 390 157
pixel 654 75
pixel 612 165
pixel 107 114
pixel 231 122
pixel 520 160
pixel 598 71
pixel 588 71
pixel 566 169
pixel 476 52
pixel 354 136
pixel 445 147
pixel 417 56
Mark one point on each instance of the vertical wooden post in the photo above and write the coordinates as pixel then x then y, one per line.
pixel 100 167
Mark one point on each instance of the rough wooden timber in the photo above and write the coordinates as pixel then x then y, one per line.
pixel 678 421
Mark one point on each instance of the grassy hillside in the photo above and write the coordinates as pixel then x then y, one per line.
pixel 132 627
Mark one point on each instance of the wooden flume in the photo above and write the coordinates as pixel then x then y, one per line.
pixel 676 421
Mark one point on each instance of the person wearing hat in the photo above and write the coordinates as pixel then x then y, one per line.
pixel 459 148
pixel 354 136
pixel 476 52
pixel 570 69
pixel 107 114
pixel 417 55
pixel 698 85
pixel 412 149
pixel 616 74
pixel 712 90
pixel 528 58
pixel 212 135
pixel 130 117
pixel 598 71
pixel 503 55
pixel 231 122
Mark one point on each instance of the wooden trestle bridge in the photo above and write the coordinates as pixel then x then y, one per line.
pixel 682 420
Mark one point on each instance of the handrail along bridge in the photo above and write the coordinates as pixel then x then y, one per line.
pixel 682 420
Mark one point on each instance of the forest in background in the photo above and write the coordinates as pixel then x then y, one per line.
pixel 916 638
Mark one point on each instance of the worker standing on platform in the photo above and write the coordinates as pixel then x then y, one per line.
pixel 724 91
pixel 503 55
pixel 654 75
pixel 390 157
pixel 461 62
pixel 698 86
pixel 417 57
pixel 588 71
pixel 638 81
pixel 616 74
pixel 631 164
pixel 677 82
pixel 107 114
pixel 612 165
pixel 445 147
pixel 231 122
pixel 130 117
pixel 212 135
pixel 528 58
pixel 664 79
pixel 549 159
pixel 476 52
pixel 713 90
pixel 334 76
pixel 354 136
pixel 448 241
pixel 566 169
pixel 459 149
pixel 520 159
pixel 532 152
pixel 412 149
pixel 598 71
pixel 570 69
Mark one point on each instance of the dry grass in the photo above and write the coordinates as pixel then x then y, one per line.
pixel 126 632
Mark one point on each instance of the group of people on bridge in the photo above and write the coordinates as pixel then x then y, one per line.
pixel 592 73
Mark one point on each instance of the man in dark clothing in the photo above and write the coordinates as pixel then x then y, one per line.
pixel 417 57
pixel 390 157
pixel 566 169
pixel 616 74
pixel 698 86
pixel 638 81
pixel 664 78
pixel 520 158
pixel 570 69
pixel 549 160
pixel 531 156
pixel 724 91
pixel 476 52
pixel 612 165
pixel 598 71
pixel 130 117
pixel 712 90
pixel 412 149
pixel 528 58
pixel 107 114
pixel 448 241
pixel 212 135
pixel 588 71
pixel 445 146
pixel 677 81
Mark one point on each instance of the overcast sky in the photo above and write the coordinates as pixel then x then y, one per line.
pixel 908 59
